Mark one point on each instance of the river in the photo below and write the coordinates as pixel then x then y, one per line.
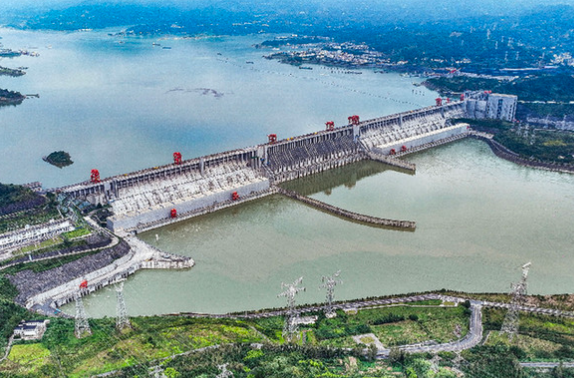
pixel 120 104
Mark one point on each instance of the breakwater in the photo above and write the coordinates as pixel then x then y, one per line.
pixel 349 215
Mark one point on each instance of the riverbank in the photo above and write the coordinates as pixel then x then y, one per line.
pixel 401 333
pixel 528 145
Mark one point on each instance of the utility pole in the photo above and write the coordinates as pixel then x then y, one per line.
pixel 510 324
pixel 290 326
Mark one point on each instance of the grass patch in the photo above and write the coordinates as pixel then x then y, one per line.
pixel 76 233
pixel 367 340
pixel 534 348
pixel 150 338
pixel 394 325
pixel 29 357
pixel 33 247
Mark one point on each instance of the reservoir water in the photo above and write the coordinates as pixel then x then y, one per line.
pixel 121 104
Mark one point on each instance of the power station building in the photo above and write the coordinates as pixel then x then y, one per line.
pixel 481 105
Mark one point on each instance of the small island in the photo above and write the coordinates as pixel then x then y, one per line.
pixel 5 71
pixel 10 98
pixel 59 158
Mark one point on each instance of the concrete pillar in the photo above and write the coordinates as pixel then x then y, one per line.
pixel 201 165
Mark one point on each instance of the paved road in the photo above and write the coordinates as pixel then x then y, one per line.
pixel 546 365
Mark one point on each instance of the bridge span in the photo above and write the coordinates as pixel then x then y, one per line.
pixel 144 199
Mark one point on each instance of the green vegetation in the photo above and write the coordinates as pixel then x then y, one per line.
pixel 530 143
pixel 392 325
pixel 42 266
pixel 11 72
pixel 162 341
pixel 20 206
pixel 59 158
pixel 10 98
pixel 106 349
pixel 10 313
pixel 11 194
pixel 541 337
pixel 543 110
pixel 541 88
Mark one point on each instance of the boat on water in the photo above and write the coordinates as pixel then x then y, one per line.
pixel 166 48
pixel 305 68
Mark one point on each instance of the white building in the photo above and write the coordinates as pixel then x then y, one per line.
pixel 491 106
pixel 31 330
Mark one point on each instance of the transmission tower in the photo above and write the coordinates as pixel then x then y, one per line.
pixel 122 313
pixel 329 282
pixel 290 327
pixel 82 326
pixel 510 324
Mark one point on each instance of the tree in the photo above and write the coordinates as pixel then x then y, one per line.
pixel 171 373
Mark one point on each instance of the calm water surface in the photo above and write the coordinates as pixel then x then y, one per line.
pixel 121 104
pixel 478 218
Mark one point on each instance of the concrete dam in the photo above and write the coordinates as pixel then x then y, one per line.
pixel 153 197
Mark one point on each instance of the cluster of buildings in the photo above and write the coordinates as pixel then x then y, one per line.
pixel 331 53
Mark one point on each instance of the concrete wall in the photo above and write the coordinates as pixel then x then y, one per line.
pixel 128 222
pixel 501 106
pixel 413 142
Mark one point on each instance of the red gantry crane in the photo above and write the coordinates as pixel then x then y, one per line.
pixel 353 120
pixel 330 126
pixel 177 158
pixel 95 176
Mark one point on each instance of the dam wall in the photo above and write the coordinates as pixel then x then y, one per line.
pixel 109 187
pixel 420 142
pixel 134 220
pixel 145 198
